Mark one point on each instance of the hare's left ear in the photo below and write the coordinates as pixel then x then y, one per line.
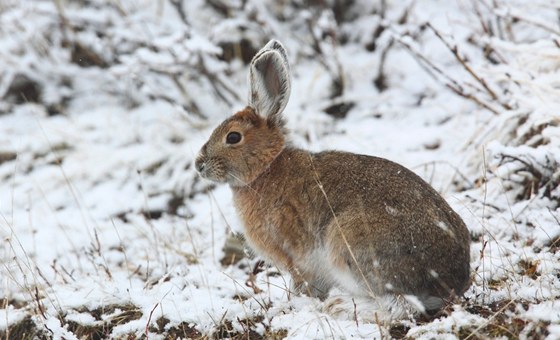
pixel 269 81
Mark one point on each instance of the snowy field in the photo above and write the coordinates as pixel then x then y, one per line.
pixel 108 232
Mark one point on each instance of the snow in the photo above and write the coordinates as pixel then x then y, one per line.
pixel 10 316
pixel 100 204
pixel 543 312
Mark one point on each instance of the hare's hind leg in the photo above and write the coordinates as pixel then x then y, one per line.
pixel 314 287
pixel 384 309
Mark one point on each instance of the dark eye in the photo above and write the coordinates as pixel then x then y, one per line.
pixel 233 138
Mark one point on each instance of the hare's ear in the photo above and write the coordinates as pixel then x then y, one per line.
pixel 269 81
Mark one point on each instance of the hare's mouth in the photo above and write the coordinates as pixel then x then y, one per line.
pixel 206 173
pixel 202 167
pixel 211 176
pixel 209 170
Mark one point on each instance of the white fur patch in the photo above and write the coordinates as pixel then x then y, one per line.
pixel 391 210
pixel 346 281
pixel 316 262
pixel 445 228
pixel 415 302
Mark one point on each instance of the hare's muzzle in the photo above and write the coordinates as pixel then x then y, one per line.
pixel 200 165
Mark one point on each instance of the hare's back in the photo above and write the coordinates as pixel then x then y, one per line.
pixel 392 197
pixel 377 182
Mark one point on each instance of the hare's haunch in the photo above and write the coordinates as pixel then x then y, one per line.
pixel 361 223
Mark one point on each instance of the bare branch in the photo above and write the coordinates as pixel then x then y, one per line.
pixel 437 74
pixel 455 50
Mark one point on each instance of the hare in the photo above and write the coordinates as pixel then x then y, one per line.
pixel 335 219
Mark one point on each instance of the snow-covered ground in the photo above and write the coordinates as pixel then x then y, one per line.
pixel 107 231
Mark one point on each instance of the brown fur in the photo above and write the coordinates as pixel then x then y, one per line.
pixel 392 233
pixel 332 218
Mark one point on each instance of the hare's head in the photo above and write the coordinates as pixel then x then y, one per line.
pixel 244 145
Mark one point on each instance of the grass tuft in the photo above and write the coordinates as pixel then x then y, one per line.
pixel 184 330
pixel 107 318
pixel 25 329
pixel 503 321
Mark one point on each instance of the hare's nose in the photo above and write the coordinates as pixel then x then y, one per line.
pixel 199 164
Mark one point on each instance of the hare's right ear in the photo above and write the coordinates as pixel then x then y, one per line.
pixel 269 81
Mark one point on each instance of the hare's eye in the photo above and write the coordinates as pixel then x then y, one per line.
pixel 233 138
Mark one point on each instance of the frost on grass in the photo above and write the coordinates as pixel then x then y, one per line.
pixel 108 232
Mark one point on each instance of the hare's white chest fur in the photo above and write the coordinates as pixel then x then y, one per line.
pixel 365 224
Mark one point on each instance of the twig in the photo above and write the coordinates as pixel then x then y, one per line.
pixel 40 306
pixel 118 6
pixel 123 249
pixel 178 4
pixel 518 17
pixel 338 72
pixel 455 50
pixel 469 183
pixel 485 183
pixel 484 324
pixel 220 7
pixel 355 312
pixel 149 320
pixel 451 83
pixel 530 167
pixel 484 25
pixel 485 204
pixel 215 81
pixel 96 247
pixel 62 17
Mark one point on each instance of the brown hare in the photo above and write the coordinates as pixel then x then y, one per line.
pixel 364 224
